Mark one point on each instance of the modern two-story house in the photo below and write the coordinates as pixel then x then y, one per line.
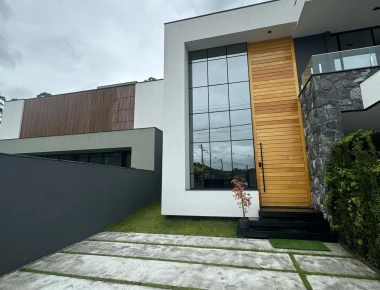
pixel 258 93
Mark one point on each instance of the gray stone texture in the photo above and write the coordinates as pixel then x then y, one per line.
pixel 333 265
pixel 323 99
pixel 338 283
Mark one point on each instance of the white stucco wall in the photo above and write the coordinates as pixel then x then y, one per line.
pixel 241 25
pixel 141 143
pixel 12 118
pixel 149 104
pixel 371 90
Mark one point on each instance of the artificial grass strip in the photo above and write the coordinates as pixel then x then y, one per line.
pixel 302 275
pixel 149 220
pixel 299 245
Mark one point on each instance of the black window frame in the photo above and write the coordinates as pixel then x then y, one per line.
pixel 252 182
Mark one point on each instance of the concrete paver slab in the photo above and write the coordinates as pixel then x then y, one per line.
pixel 337 283
pixel 201 255
pixel 35 281
pixel 233 243
pixel 333 265
pixel 168 273
pixel 184 240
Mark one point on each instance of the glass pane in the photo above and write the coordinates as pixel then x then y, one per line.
pixel 115 160
pixel 201 157
pixel 241 132
pixel 356 39
pixel 237 69
pixel 243 155
pixel 219 120
pixel 241 117
pixel 128 160
pixel 198 74
pixel 237 49
pixel 221 156
pixel 96 158
pixel 200 121
pixel 356 61
pixel 200 180
pixel 247 176
pixel 199 100
pixel 239 96
pixel 376 33
pixel 220 134
pixel 221 180
pixel 200 127
pixel 217 72
pixel 217 52
pixel 68 157
pixel 199 55
pixel 218 98
pixel 83 158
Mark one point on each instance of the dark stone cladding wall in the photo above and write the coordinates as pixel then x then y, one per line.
pixel 47 205
pixel 323 99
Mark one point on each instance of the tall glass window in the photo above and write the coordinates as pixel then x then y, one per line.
pixel 221 139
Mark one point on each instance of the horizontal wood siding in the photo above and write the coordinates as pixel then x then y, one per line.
pixel 79 112
pixel 278 124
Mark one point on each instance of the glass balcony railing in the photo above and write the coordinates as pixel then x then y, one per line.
pixel 342 60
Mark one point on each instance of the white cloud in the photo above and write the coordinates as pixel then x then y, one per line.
pixel 62 46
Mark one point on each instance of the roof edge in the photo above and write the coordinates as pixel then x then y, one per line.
pixel 228 10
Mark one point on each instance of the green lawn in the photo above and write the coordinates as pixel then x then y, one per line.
pixel 150 220
pixel 299 245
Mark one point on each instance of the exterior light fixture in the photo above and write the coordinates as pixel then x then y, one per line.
pixel 269 31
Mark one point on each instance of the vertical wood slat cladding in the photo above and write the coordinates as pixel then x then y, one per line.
pixel 278 124
pixel 79 112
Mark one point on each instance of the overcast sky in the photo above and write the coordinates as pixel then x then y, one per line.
pixel 62 46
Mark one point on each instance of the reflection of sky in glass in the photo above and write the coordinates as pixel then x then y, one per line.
pixel 217 72
pixel 239 96
pixel 200 100
pixel 218 98
pixel 242 154
pixel 221 156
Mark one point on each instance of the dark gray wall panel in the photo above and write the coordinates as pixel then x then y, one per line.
pixel 46 205
pixel 366 119
pixel 307 46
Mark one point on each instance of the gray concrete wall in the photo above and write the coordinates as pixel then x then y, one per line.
pixel 323 99
pixel 141 141
pixel 47 205
pixel 366 119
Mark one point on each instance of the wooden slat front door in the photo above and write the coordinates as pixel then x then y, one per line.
pixel 278 125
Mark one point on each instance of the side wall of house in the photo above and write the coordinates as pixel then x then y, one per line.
pixel 149 111
pixel 12 118
pixel 323 99
pixel 92 111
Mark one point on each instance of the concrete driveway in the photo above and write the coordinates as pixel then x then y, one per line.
pixel 145 261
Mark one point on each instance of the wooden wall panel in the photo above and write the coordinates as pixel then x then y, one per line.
pixel 278 124
pixel 90 111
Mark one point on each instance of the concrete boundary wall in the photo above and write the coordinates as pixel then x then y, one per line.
pixel 47 205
